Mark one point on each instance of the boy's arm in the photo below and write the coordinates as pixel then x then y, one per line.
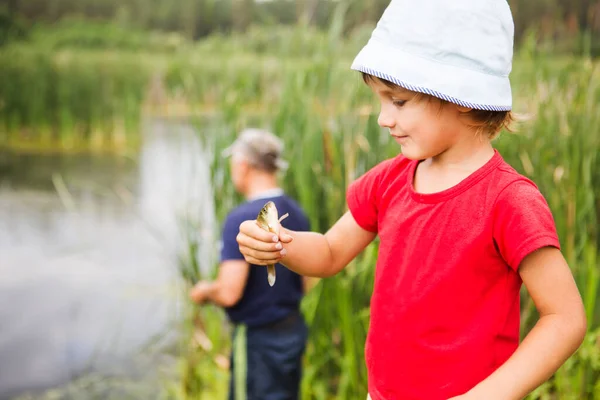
pixel 556 336
pixel 307 253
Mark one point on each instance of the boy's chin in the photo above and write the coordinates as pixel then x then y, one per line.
pixel 412 154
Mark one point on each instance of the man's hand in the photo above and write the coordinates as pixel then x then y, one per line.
pixel 199 293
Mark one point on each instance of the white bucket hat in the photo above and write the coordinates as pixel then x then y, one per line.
pixel 457 50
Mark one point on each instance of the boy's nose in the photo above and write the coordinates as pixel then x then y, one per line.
pixel 385 120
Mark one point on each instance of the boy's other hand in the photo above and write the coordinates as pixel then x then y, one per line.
pixel 260 247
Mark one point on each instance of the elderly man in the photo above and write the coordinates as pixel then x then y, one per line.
pixel 268 325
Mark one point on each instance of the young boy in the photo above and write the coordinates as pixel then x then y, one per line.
pixel 460 230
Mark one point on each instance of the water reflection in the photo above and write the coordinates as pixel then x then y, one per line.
pixel 87 255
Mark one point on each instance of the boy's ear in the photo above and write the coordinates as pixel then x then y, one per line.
pixel 463 109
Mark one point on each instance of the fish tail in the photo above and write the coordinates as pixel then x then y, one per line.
pixel 271 274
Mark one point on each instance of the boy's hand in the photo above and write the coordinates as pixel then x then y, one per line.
pixel 260 247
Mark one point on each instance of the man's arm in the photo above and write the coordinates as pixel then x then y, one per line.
pixel 227 289
pixel 306 253
pixel 556 336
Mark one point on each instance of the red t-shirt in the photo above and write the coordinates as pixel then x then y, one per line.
pixel 445 305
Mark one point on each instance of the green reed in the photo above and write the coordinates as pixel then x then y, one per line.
pixel 70 100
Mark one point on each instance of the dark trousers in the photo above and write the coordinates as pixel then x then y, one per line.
pixel 273 367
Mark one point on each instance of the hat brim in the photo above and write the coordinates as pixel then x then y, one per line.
pixel 468 88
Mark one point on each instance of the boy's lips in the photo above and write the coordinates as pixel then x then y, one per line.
pixel 400 139
pixel 397 135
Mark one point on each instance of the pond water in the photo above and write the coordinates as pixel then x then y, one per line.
pixel 88 257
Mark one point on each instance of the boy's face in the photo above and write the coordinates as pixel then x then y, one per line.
pixel 423 128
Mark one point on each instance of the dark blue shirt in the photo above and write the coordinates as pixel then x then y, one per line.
pixel 262 304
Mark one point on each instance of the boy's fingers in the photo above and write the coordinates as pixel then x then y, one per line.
pixel 260 258
pixel 251 229
pixel 265 256
pixel 251 243
pixel 284 236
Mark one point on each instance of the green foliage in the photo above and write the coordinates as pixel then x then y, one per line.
pixel 90 35
pixel 70 99
pixel 11 28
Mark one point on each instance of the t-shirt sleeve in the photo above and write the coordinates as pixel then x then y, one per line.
pixel 363 197
pixel 523 222
pixel 229 246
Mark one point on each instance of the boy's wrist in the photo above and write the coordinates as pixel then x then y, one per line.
pixel 486 390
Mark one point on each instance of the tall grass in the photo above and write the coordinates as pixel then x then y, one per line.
pixel 70 99
pixel 88 85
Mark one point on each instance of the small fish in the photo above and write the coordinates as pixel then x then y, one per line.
pixel 268 220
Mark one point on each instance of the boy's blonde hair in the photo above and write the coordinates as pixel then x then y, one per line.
pixel 490 123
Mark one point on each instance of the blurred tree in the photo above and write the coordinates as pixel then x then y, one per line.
pixel 554 19
pixel 11 27
pixel 306 10
pixel 242 14
pixel 12 7
pixel 188 15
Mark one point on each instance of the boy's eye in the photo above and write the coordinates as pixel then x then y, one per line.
pixel 399 103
